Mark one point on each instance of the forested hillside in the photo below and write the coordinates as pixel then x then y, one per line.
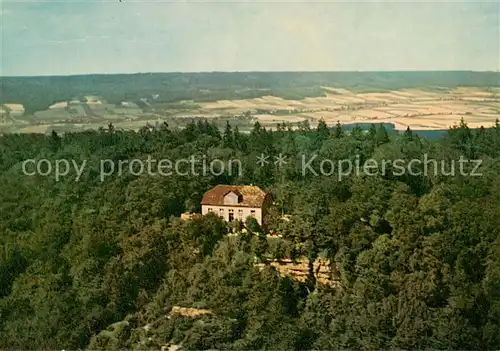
pixel 38 93
pixel 100 264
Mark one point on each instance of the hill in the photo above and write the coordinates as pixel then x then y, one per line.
pixel 38 93
pixel 105 263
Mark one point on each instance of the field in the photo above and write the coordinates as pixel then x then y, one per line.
pixel 419 100
pixel 417 109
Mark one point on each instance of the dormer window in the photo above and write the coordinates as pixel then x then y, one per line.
pixel 232 198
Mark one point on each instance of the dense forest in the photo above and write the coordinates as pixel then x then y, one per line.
pixel 38 93
pixel 100 264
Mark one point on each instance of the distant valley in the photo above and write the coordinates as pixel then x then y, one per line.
pixel 419 100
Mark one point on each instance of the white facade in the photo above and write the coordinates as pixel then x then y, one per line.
pixel 230 213
pixel 232 203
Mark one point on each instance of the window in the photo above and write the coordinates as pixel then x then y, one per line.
pixel 240 215
pixel 231 215
pixel 231 198
pixel 210 209
pixel 252 213
pixel 221 212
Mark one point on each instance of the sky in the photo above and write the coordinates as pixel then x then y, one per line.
pixel 81 37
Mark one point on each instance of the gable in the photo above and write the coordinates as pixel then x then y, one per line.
pixel 231 198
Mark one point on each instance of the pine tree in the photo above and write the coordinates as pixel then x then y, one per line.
pixel 238 141
pixel 381 137
pixel 257 129
pixel 227 138
pixel 322 130
pixel 373 132
pixel 462 138
pixel 206 127
pixel 55 141
pixel 408 133
pixel 190 131
pixel 214 130
pixel 339 131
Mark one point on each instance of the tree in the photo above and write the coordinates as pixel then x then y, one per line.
pixel 190 131
pixel 228 138
pixel 381 136
pixel 257 129
pixel 304 126
pixel 55 141
pixel 408 133
pixel 357 132
pixel 252 225
pixel 461 138
pixel 339 131
pixel 239 140
pixel 372 133
pixel 322 130
pixel 101 264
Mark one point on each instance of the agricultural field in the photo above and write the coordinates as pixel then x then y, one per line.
pixel 417 109
pixel 419 100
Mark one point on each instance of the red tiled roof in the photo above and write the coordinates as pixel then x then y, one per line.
pixel 252 196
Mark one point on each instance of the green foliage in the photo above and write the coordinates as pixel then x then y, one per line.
pixel 37 93
pixel 101 264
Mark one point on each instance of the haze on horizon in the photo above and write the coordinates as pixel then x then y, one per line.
pixel 85 37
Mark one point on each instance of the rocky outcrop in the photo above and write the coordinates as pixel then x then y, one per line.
pixel 189 312
pixel 299 270
pixel 171 347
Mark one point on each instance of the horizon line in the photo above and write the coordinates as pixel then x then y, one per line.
pixel 249 71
